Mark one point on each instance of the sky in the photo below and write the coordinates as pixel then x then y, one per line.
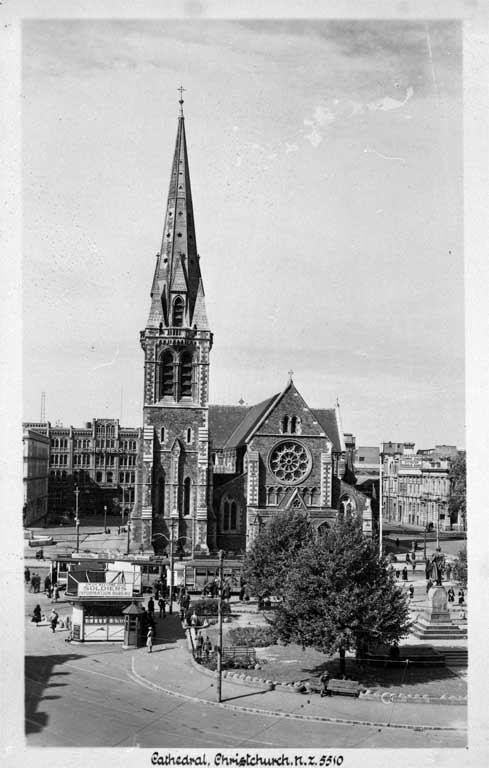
pixel 326 168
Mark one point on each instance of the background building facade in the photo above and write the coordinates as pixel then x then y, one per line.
pixel 100 459
pixel 35 476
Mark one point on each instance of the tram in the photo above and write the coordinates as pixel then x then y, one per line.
pixel 197 573
pixel 149 569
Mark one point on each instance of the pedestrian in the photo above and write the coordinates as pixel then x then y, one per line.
pixel 405 574
pixel 36 615
pixel 55 594
pixel 413 563
pixel 324 680
pixel 199 645
pixel 461 597
pixel 398 573
pixel 32 587
pixel 397 543
pixel 411 591
pixel 451 595
pixel 242 593
pixel 53 619
pixel 162 607
pixel 194 620
pixel 156 593
pixel 151 607
pixel 408 559
pixel 449 570
pixel 47 583
pixel 186 602
pixel 38 583
pixel 207 648
pixel 27 575
pixel 149 640
pixel 429 584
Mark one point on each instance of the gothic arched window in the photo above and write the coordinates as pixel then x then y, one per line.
pixel 186 374
pixel 186 496
pixel 178 307
pixel 166 374
pixel 229 515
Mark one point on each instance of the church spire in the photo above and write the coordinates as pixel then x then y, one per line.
pixel 177 292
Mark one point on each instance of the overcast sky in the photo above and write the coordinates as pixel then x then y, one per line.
pixel 326 169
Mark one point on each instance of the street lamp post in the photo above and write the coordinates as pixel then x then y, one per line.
pixel 219 650
pixel 128 535
pixel 77 519
pixel 105 518
pixel 174 518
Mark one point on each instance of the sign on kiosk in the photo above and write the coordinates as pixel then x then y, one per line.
pixel 95 589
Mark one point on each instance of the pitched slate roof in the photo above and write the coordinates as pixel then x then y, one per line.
pixel 252 417
pixel 327 417
pixel 229 425
pixel 223 419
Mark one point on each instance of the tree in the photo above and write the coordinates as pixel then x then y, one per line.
pixel 273 552
pixel 460 567
pixel 458 488
pixel 339 596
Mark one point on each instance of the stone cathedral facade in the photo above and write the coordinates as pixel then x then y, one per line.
pixel 208 475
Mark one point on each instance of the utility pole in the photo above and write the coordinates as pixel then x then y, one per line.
pixel 174 517
pixel 128 535
pixel 77 519
pixel 105 518
pixel 219 615
pixel 381 500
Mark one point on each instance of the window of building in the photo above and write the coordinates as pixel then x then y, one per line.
pixel 186 496
pixel 178 308
pixel 186 374
pixel 290 425
pixel 166 374
pixel 98 477
pixel 162 434
pixel 110 477
pixel 229 515
pixel 188 435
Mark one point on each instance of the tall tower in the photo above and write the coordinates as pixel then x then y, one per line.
pixel 173 489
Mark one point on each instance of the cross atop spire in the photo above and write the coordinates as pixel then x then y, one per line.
pixel 181 89
pixel 291 373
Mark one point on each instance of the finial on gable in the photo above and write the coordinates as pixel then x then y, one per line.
pixel 291 373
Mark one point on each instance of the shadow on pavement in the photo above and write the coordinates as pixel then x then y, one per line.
pixel 38 673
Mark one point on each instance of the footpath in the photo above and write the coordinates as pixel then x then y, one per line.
pixel 171 669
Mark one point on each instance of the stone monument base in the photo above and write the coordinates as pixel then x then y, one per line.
pixel 435 623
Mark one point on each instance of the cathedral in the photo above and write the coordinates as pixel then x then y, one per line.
pixel 210 476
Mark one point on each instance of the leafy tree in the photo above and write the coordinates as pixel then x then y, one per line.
pixel 460 567
pixel 458 488
pixel 273 552
pixel 338 595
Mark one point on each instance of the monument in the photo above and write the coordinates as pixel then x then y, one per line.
pixel 435 622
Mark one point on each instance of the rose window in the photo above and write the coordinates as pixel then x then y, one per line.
pixel 290 462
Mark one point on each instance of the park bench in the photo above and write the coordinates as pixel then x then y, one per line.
pixel 344 687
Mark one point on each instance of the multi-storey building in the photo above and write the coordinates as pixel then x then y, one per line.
pixel 35 476
pixel 99 460
pixel 416 489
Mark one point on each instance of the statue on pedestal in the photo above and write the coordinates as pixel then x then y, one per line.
pixel 436 566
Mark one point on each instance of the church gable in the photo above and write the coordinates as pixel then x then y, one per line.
pixel 289 415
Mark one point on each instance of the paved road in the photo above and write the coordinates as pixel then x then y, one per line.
pixel 87 695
